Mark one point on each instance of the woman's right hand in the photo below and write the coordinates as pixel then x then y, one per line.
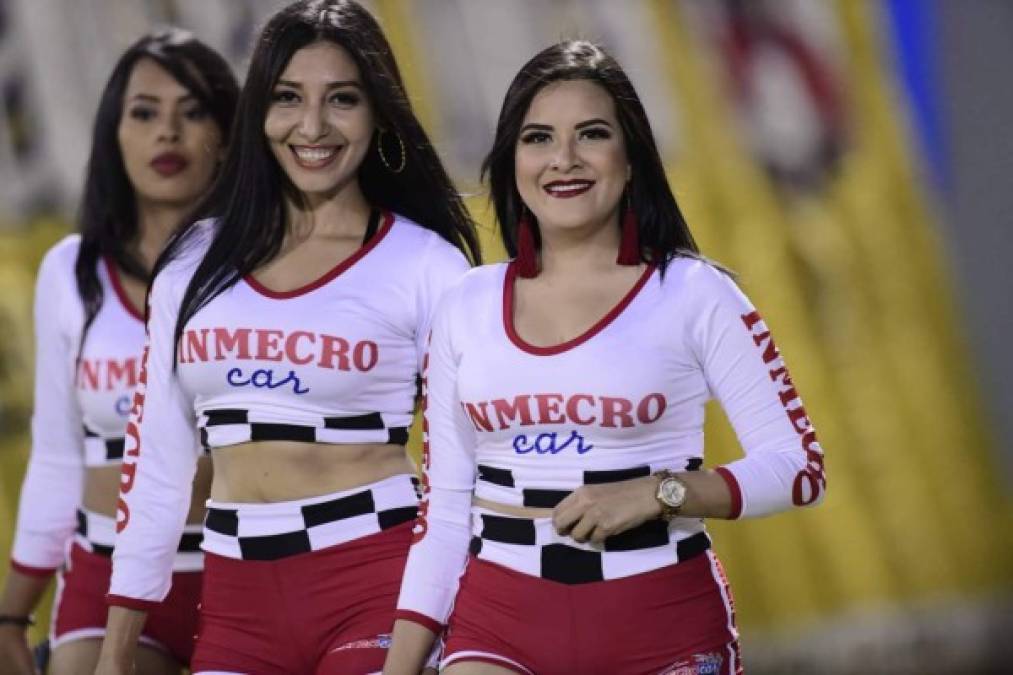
pixel 411 643
pixel 19 597
pixel 111 666
pixel 123 628
pixel 15 656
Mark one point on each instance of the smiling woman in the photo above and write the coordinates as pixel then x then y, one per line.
pixel 320 124
pixel 565 395
pixel 287 330
pixel 570 145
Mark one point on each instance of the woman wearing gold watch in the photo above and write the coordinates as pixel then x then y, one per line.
pixel 564 401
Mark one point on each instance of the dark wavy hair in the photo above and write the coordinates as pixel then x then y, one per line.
pixel 249 196
pixel 107 217
pixel 663 230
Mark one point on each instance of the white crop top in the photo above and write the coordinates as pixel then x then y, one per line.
pixel 525 425
pixel 78 420
pixel 336 361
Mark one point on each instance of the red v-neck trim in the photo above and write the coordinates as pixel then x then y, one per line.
pixel 388 221
pixel 519 342
pixel 121 293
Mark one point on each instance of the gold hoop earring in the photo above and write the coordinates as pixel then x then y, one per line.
pixel 383 158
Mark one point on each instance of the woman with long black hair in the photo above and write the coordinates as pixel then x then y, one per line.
pixel 159 133
pixel 287 329
pixel 564 400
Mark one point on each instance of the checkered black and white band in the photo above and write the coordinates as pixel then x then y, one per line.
pixel 100 451
pixel 96 532
pixel 532 546
pixel 229 426
pixel 516 488
pixel 281 529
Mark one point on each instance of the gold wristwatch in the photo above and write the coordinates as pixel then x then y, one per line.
pixel 671 494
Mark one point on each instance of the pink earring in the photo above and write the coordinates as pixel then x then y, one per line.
pixel 527 256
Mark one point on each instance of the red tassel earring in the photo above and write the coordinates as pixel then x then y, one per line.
pixel 527 255
pixel 629 247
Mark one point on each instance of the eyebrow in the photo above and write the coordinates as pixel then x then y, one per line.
pixel 537 127
pixel 156 99
pixel 596 120
pixel 330 85
pixel 581 125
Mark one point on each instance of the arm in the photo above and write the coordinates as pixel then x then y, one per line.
pixel 596 512
pixel 21 594
pixel 123 628
pixel 159 462
pixel 412 643
pixel 442 532
pixel 783 462
pixel 54 482
pixel 442 267
pixel 783 466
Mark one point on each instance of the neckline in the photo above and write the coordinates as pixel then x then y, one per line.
pixel 333 273
pixel 120 292
pixel 511 331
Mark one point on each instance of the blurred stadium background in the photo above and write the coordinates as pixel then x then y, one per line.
pixel 849 158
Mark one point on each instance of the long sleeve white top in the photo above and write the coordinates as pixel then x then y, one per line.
pixel 335 361
pixel 517 424
pixel 80 405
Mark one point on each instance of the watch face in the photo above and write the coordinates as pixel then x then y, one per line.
pixel 672 492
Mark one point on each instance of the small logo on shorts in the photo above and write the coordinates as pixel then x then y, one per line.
pixel 698 664
pixel 381 641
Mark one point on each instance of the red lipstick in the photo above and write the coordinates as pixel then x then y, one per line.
pixel 565 189
pixel 169 164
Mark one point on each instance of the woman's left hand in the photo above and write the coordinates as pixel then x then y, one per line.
pixel 594 512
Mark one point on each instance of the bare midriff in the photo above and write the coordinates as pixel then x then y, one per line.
pixel 102 489
pixel 278 471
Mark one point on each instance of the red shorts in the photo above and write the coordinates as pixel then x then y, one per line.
pixel 80 607
pixel 327 611
pixel 676 620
